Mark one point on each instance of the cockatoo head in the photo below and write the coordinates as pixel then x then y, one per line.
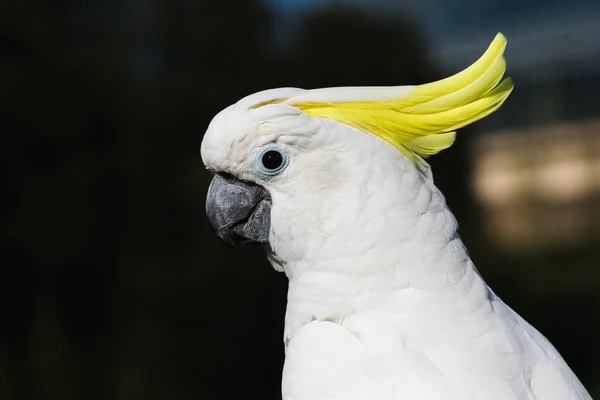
pixel 307 172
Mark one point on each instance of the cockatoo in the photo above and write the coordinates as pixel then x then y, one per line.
pixel 384 302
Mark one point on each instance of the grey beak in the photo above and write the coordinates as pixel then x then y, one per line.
pixel 238 211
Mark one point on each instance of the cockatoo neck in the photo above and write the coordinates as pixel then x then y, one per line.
pixel 388 230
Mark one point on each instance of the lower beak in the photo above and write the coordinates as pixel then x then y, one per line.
pixel 238 211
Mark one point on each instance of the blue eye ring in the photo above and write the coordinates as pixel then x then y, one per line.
pixel 270 161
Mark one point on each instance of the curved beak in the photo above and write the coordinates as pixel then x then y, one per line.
pixel 238 211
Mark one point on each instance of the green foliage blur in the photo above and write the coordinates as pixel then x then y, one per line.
pixel 112 286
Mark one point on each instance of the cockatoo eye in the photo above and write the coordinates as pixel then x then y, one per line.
pixel 270 161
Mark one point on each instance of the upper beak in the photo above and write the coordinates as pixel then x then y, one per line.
pixel 239 211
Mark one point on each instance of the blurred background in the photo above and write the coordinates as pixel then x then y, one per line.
pixel 112 285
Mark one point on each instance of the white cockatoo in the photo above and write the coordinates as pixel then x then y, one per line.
pixel 384 302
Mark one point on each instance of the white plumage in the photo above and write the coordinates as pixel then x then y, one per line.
pixel 384 302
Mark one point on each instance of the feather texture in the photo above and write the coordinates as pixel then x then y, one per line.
pixel 384 301
pixel 419 120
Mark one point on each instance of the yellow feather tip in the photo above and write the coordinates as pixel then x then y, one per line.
pixel 422 124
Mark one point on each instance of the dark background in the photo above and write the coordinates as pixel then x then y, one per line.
pixel 112 285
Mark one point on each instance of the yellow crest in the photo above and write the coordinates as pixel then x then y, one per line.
pixel 420 120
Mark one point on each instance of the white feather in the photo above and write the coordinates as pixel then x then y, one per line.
pixel 384 302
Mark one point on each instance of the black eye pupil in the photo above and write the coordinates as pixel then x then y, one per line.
pixel 272 159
